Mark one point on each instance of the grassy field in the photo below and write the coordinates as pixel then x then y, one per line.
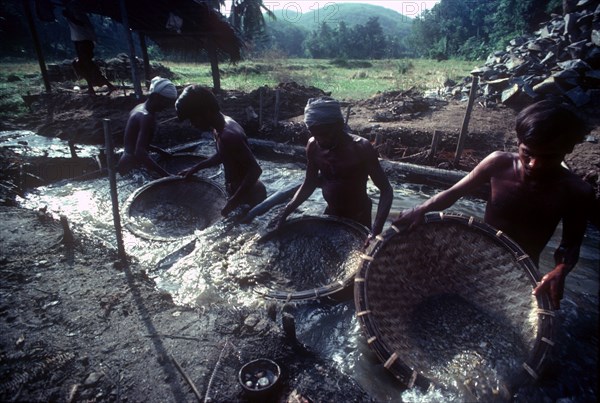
pixel 345 79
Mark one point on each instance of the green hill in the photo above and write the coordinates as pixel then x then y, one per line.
pixel 392 22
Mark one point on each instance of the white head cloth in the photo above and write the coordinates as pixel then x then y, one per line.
pixel 163 87
pixel 321 111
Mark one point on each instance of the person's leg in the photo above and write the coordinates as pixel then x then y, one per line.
pixel 91 71
pixel 85 54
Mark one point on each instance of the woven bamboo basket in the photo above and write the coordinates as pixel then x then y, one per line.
pixel 317 256
pixel 452 289
pixel 172 208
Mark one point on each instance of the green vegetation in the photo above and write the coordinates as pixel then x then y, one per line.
pixel 16 80
pixel 345 79
pixel 358 31
pixel 473 29
pixel 452 28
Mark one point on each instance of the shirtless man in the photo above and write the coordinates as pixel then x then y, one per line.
pixel 531 192
pixel 341 163
pixel 242 171
pixel 141 126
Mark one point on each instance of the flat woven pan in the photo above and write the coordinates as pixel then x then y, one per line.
pixel 315 256
pixel 173 208
pixel 453 289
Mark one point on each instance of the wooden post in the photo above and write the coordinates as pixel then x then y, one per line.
pixel 145 57
pixel 276 116
pixel 137 88
pixel 465 125
pixel 260 106
pixel 214 64
pixel 112 176
pixel 36 45
pixel 348 114
pixel 434 143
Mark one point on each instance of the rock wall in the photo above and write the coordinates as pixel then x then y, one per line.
pixel 561 59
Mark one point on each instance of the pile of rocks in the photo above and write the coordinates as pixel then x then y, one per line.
pixel 561 59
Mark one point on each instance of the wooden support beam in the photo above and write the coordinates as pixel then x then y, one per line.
pixel 36 44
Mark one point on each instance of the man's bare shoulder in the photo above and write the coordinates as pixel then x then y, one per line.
pixel 233 133
pixel 502 157
pixel 499 164
pixel 356 139
pixel 498 160
pixel 362 145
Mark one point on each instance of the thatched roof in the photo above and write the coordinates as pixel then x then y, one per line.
pixel 198 23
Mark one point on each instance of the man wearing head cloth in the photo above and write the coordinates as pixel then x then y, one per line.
pixel 341 164
pixel 142 125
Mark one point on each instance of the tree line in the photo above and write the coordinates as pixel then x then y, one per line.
pixel 466 29
pixel 471 29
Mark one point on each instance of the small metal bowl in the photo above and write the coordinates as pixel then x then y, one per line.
pixel 260 377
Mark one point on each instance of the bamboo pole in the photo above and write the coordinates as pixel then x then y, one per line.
pixel 465 126
pixel 112 177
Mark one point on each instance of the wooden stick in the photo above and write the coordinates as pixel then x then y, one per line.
pixel 187 379
pixel 112 176
pixel 276 116
pixel 260 107
pixel 434 143
pixel 162 122
pixel 348 114
pixel 465 125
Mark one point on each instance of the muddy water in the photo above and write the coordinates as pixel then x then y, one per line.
pixel 224 266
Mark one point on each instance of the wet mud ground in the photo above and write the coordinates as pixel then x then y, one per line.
pixel 79 325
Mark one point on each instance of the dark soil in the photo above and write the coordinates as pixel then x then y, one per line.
pixel 78 325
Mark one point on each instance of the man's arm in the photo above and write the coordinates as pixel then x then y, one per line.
pixel 386 193
pixel 567 254
pixel 310 183
pixel 480 175
pixel 212 161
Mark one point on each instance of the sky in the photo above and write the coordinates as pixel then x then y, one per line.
pixel 291 8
